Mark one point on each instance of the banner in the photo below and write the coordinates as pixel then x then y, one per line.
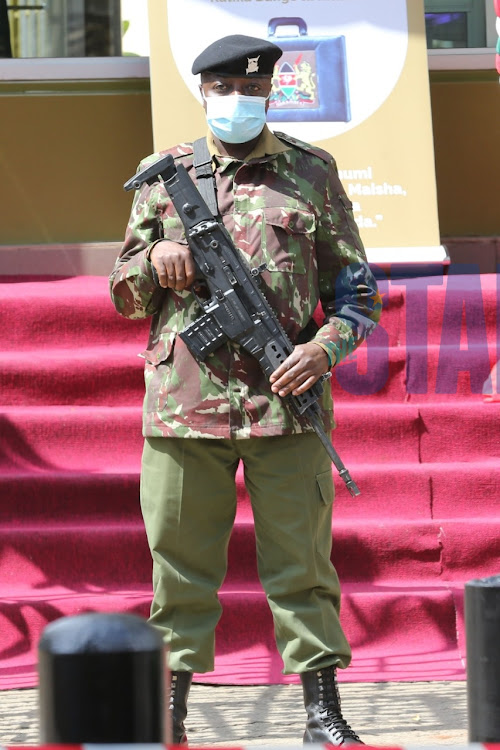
pixel 353 80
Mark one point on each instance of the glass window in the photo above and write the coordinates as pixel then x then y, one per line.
pixel 73 28
pixel 455 24
pixel 446 30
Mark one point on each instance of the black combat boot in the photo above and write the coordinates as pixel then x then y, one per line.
pixel 180 682
pixel 325 723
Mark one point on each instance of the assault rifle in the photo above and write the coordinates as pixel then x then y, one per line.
pixel 234 307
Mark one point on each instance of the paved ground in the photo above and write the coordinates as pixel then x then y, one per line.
pixel 416 713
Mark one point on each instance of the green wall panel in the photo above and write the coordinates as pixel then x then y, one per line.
pixel 65 150
pixel 466 125
pixel 67 147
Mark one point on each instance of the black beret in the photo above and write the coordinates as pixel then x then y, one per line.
pixel 238 55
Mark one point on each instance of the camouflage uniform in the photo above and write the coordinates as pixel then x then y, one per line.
pixel 283 206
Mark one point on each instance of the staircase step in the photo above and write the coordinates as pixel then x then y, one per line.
pixel 74 556
pixel 86 496
pixel 55 310
pixel 404 631
pixel 57 313
pixel 412 429
pixel 460 432
pixel 395 491
pixel 70 438
pixel 391 552
pixel 93 375
pixel 446 373
pixel 112 553
pixel 394 630
pixel 50 494
pixel 465 490
pixel 436 308
pixel 84 376
pixel 414 310
pixel 106 438
pixel 416 374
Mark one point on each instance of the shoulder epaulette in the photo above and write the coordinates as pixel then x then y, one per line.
pixel 319 152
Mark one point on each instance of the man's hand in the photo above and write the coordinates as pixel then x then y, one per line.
pixel 174 265
pixel 300 370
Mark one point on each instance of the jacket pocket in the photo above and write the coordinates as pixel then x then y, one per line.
pixel 288 239
pixel 162 350
pixel 325 486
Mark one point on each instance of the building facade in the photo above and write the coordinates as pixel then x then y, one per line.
pixel 75 108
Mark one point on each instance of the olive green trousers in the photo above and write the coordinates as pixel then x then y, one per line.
pixel 188 501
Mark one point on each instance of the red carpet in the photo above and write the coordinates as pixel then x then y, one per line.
pixel 413 428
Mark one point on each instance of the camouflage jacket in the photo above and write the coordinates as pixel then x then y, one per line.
pixel 283 206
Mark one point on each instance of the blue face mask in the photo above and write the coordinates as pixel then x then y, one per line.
pixel 236 118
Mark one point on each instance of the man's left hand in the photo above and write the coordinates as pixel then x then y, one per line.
pixel 300 370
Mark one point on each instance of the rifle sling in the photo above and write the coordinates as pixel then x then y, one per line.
pixel 205 175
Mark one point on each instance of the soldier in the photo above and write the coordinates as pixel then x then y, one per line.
pixel 283 204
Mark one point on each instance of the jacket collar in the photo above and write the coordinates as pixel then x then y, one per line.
pixel 267 145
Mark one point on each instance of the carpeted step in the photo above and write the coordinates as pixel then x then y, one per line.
pixel 103 376
pixel 43 497
pixel 77 438
pixel 397 632
pixel 394 491
pixel 446 373
pixel 471 548
pixel 463 430
pixel 36 362
pixel 107 554
pixel 70 438
pixel 113 553
pixel 95 375
pixel 60 313
pixel 412 428
pixel 443 309
pixel 466 490
pixel 399 491
pixel 75 556
pixel 25 611
pixel 373 552
pixel 417 374
pixel 74 438
pixel 57 311
pixel 388 551
pixel 417 310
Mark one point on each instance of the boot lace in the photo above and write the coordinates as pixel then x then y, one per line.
pixel 173 686
pixel 330 710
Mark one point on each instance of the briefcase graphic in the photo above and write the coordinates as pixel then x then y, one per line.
pixel 310 80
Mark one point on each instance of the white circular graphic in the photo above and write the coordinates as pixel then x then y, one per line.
pixel 342 58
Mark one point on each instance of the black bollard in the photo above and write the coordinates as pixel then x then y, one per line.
pixel 102 680
pixel 482 629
